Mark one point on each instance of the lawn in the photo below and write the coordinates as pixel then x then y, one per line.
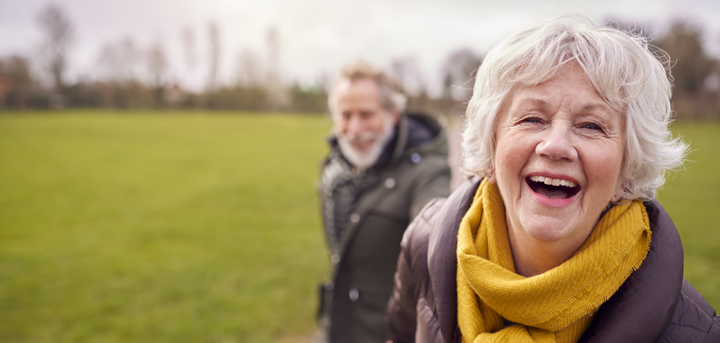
pixel 204 227
pixel 142 227
pixel 692 198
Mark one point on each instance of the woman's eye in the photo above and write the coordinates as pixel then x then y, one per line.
pixel 591 126
pixel 531 120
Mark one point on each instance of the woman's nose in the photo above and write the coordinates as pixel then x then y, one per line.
pixel 557 143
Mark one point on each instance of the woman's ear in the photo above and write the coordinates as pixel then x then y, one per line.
pixel 619 191
pixel 491 175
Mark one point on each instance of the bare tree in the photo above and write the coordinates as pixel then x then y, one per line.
pixel 249 69
pixel 695 94
pixel 190 52
pixel 214 39
pixel 119 61
pixel 273 55
pixel 408 75
pixel 58 35
pixel 277 95
pixel 157 65
pixel 189 47
pixel 683 42
pixel 458 73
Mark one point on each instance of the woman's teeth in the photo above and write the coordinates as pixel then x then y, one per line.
pixel 553 182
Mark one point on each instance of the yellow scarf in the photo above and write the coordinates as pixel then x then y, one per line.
pixel 556 306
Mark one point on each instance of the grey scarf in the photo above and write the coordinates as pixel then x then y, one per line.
pixel 341 186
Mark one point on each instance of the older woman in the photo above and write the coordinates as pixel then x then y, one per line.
pixel 557 237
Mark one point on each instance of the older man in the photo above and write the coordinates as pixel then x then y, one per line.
pixel 383 167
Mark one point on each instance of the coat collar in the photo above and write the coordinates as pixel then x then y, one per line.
pixel 402 135
pixel 442 262
pixel 638 312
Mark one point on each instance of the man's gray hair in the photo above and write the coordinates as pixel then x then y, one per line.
pixel 391 97
pixel 630 74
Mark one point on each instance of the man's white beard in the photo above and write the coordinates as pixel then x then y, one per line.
pixel 364 160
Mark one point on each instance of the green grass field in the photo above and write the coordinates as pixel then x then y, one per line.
pixel 198 227
pixel 159 228
pixel 692 198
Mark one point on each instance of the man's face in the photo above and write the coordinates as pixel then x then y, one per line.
pixel 362 124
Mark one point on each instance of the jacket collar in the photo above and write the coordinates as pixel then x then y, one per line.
pixel 402 135
pixel 442 262
pixel 638 312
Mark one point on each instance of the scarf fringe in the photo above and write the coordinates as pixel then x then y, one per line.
pixel 597 281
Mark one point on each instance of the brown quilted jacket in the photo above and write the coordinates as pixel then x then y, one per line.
pixel 655 304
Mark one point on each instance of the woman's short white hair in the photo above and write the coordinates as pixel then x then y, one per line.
pixel 631 75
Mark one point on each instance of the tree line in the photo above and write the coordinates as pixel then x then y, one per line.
pixel 131 76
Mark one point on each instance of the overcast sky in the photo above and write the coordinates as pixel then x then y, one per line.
pixel 318 36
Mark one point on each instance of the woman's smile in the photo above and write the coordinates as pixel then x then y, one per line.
pixel 553 192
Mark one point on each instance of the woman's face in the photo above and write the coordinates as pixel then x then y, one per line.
pixel 559 150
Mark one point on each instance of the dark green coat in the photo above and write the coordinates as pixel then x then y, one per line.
pixel 355 300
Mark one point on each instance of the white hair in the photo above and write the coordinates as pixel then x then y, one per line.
pixel 630 74
pixel 390 96
pixel 364 160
